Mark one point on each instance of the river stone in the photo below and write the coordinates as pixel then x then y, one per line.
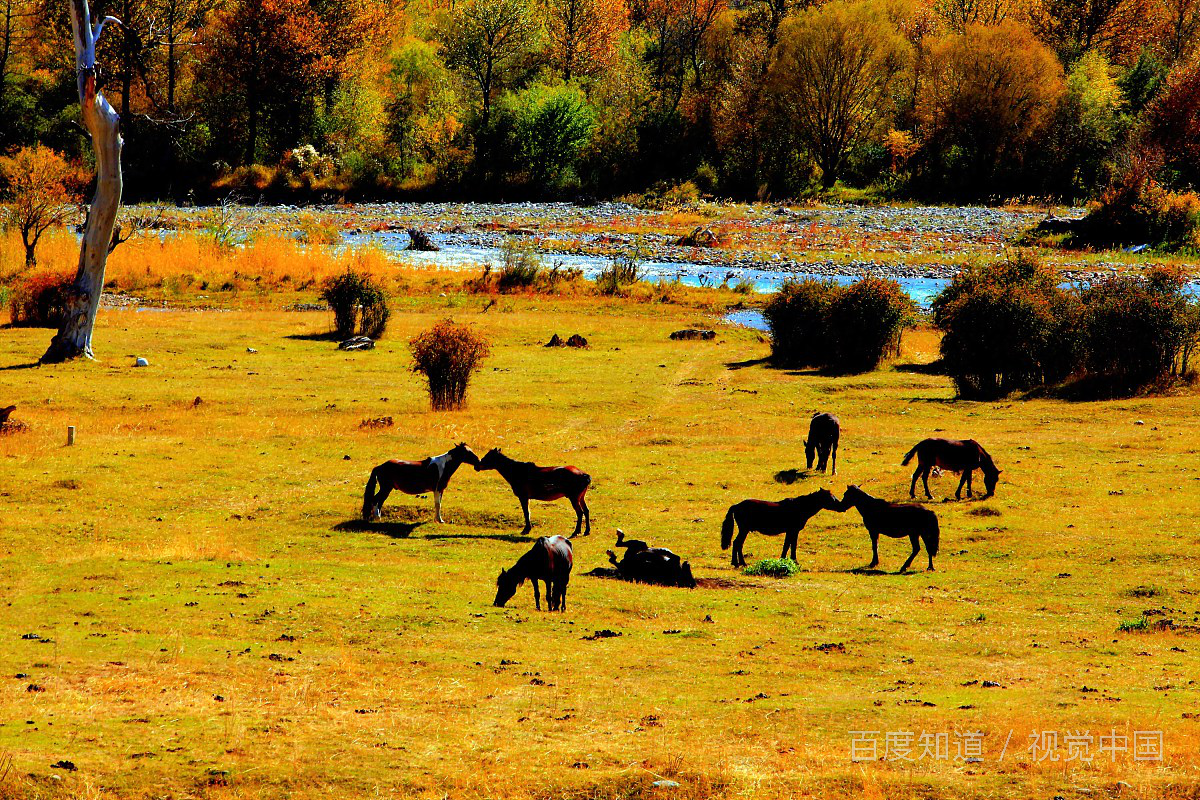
pixel 694 333
pixel 141 362
pixel 356 343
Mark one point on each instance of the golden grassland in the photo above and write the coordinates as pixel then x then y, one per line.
pixel 216 623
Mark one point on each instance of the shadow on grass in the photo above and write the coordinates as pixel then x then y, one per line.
pixel 495 537
pixel 789 476
pixel 20 366
pixel 875 573
pixel 932 368
pixel 325 336
pixel 394 530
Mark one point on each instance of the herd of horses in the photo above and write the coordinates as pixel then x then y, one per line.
pixel 551 558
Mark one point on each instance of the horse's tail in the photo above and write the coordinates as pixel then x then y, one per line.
pixel 369 493
pixel 934 535
pixel 911 453
pixel 727 529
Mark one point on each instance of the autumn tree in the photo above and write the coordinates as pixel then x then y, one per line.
pixel 1171 128
pixel 1073 27
pixel 265 59
pixel 582 34
pixel 40 188
pixel 486 40
pixel 1179 30
pixel 988 95
pixel 833 75
pixel 176 33
pixel 16 17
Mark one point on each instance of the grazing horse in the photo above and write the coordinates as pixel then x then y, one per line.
pixel 823 433
pixel 531 482
pixel 414 477
pixel 896 520
pixel 964 456
pixel 787 516
pixel 549 560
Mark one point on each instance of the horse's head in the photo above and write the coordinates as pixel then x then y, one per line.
pixel 990 479
pixel 852 495
pixel 489 460
pixel 506 587
pixel 465 454
pixel 810 452
pixel 828 500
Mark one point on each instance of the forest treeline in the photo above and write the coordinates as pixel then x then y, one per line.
pixel 939 99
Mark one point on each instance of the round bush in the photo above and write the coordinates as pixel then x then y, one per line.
pixel 447 354
pixel 796 316
pixel 40 300
pixel 359 304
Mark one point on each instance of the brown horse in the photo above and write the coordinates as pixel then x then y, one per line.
pixel 531 482
pixel 963 456
pixel 823 433
pixel 414 477
pixel 786 516
pixel 896 520
pixel 549 560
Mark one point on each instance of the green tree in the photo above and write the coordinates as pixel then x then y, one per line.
pixel 486 40
pixel 551 126
pixel 833 77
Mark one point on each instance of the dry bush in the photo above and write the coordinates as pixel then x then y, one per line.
pixel 358 302
pixel 448 354
pixel 40 300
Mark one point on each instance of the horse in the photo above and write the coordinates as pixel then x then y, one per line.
pixel 531 482
pixel 963 456
pixel 786 516
pixel 656 565
pixel 896 520
pixel 414 477
pixel 823 433
pixel 549 560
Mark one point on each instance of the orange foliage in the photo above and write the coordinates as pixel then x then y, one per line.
pixel 39 186
pixel 583 34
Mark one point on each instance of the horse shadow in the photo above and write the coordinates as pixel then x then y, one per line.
pixel 394 530
pixel 324 336
pixel 12 367
pixel 514 538
pixel 873 572
pixel 789 476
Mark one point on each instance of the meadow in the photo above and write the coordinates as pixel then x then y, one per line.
pixel 192 607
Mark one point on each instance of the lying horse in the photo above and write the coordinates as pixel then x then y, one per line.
pixel 896 520
pixel 531 482
pixel 414 477
pixel 823 433
pixel 549 560
pixel 964 456
pixel 787 516
pixel 645 564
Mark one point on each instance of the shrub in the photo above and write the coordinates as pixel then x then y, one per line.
pixel 623 270
pixel 773 568
pixel 1137 209
pixel 866 321
pixel 1139 332
pixel 447 355
pixel 841 328
pixel 40 300
pixel 521 268
pixel 359 304
pixel 1007 326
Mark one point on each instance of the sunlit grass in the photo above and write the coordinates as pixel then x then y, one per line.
pixel 215 607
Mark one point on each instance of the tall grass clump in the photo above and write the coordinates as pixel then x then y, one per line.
pixel 358 302
pixel 773 568
pixel 1007 326
pixel 521 266
pixel 622 271
pixel 840 328
pixel 448 354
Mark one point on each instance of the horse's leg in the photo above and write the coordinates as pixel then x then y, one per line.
pixel 792 537
pixel 912 490
pixel 787 542
pixel 925 479
pixel 916 548
pixel 437 505
pixel 929 552
pixel 587 516
pixel 738 559
pixel 525 511
pixel 575 504
pixel 537 595
pixel 384 490
pixel 970 474
pixel 874 550
pixel 964 480
pixel 835 444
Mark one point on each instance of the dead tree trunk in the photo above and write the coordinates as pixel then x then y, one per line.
pixel 74 338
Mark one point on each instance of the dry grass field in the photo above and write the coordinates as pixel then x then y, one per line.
pixel 191 607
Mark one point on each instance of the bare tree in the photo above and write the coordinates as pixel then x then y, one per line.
pixel 74 337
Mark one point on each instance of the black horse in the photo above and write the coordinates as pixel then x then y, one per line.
pixel 823 433
pixel 896 520
pixel 963 456
pixel 786 516
pixel 645 564
pixel 549 560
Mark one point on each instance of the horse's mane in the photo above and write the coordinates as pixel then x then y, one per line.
pixel 985 459
pixel 509 460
